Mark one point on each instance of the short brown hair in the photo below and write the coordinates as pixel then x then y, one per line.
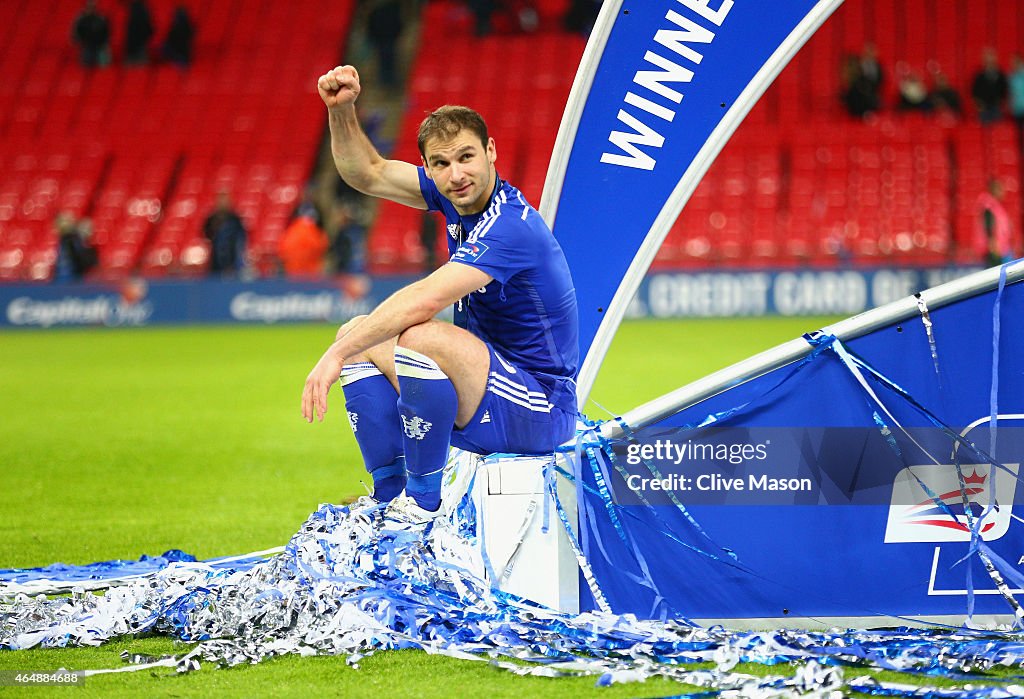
pixel 446 122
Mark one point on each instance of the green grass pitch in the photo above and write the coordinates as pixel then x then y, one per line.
pixel 115 443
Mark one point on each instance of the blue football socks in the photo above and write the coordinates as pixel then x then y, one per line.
pixel 372 405
pixel 427 407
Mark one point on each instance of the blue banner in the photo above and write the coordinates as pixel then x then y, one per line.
pixel 138 302
pixel 876 477
pixel 662 86
pixel 735 293
pixel 661 295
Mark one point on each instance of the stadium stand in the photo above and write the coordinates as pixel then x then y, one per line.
pixel 801 182
pixel 819 187
pixel 143 151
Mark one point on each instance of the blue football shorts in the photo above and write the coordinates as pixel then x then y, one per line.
pixel 515 415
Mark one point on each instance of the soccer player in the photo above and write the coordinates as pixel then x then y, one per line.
pixel 502 377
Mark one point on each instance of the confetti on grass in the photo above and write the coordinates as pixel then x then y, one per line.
pixel 351 583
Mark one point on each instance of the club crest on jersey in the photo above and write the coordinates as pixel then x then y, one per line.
pixel 469 252
pixel 415 427
pixel 353 419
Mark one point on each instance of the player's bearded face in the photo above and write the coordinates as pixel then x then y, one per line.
pixel 463 170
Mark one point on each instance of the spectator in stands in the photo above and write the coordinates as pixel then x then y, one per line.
pixel 75 256
pixel 994 240
pixel 989 88
pixel 913 91
pixel 502 377
pixel 227 235
pixel 581 15
pixel 348 247
pixel 862 82
pixel 302 247
pixel 944 98
pixel 91 32
pixel 177 47
pixel 138 31
pixel 384 27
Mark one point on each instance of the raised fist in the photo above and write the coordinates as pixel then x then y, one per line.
pixel 339 86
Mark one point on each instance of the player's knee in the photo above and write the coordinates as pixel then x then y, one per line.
pixel 420 338
pixel 347 327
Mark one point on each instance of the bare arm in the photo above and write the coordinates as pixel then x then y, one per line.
pixel 358 162
pixel 409 306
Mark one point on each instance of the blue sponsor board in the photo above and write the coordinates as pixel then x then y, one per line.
pixel 876 477
pixel 138 302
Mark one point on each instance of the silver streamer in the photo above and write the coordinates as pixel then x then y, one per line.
pixel 352 583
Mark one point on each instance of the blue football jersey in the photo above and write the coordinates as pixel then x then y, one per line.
pixel 528 311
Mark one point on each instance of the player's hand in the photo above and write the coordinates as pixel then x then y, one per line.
pixel 318 385
pixel 339 87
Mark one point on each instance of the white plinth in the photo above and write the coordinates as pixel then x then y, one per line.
pixel 509 496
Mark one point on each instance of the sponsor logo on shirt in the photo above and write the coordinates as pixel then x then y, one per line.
pixel 470 252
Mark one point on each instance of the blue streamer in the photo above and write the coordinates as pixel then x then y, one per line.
pixel 102 570
pixel 993 399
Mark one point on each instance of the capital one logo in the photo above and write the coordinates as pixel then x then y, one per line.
pixel 947 514
pixel 415 427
